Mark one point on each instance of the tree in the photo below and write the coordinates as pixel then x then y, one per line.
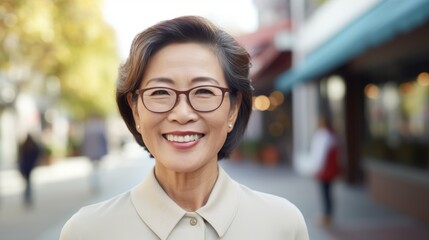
pixel 66 40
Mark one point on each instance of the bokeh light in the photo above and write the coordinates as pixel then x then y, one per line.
pixel 261 103
pixel 371 91
pixel 423 79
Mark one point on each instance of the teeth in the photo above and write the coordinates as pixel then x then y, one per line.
pixel 186 138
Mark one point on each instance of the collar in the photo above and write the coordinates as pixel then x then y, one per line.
pixel 222 205
pixel 161 214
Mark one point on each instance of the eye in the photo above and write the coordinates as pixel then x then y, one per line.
pixel 159 92
pixel 204 91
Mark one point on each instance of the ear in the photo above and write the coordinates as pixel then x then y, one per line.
pixel 133 105
pixel 233 113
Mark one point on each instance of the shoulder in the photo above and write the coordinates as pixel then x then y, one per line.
pixel 110 206
pixel 93 218
pixel 268 202
pixel 280 215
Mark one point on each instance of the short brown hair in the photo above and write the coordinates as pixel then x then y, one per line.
pixel 234 60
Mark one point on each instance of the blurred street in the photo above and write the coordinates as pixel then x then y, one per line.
pixel 62 188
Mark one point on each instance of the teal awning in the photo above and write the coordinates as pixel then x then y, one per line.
pixel 381 23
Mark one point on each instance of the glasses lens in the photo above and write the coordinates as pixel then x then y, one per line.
pixel 205 98
pixel 159 99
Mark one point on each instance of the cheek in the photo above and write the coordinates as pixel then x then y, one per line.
pixel 219 124
pixel 219 136
pixel 147 121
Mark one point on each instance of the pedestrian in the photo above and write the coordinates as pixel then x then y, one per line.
pixel 185 95
pixel 325 154
pixel 95 147
pixel 28 155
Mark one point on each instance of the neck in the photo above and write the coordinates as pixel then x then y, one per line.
pixel 189 190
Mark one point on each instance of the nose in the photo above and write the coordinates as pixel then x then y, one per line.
pixel 182 111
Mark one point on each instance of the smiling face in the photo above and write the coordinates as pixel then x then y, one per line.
pixel 183 140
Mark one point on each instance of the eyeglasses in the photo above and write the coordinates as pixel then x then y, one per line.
pixel 202 98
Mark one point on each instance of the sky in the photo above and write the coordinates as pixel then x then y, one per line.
pixel 129 17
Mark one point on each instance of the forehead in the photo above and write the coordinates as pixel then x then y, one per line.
pixel 179 61
pixel 184 52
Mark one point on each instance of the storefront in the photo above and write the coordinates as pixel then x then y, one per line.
pixel 394 95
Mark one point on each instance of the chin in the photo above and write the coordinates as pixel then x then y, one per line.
pixel 184 163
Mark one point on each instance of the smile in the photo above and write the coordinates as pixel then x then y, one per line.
pixel 184 138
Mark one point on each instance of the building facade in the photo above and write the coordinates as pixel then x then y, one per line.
pixel 366 63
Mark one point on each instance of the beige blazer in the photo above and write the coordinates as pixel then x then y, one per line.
pixel 233 212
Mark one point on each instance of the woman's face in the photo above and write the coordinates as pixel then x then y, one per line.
pixel 182 139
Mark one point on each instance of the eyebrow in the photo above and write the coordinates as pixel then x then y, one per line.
pixel 205 79
pixel 160 80
pixel 194 80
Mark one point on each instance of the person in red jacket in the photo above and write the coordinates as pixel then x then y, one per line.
pixel 325 154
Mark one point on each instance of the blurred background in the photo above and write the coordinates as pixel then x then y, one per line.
pixel 365 63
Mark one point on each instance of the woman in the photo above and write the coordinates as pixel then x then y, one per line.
pixel 325 154
pixel 185 95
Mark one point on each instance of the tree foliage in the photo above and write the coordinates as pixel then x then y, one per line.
pixel 66 40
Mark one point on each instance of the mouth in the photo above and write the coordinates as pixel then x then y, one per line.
pixel 182 138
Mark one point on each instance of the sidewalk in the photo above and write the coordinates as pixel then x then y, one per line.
pixel 357 216
pixel 60 190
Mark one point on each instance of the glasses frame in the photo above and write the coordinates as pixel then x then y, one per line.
pixel 186 92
